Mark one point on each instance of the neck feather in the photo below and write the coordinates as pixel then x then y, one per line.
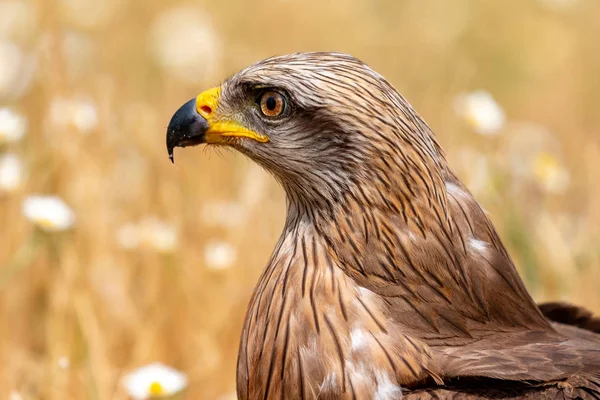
pixel 361 289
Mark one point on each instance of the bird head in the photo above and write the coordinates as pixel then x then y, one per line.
pixel 322 123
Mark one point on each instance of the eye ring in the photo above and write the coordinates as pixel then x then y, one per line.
pixel 272 104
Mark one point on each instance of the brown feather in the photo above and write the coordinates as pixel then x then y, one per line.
pixel 570 314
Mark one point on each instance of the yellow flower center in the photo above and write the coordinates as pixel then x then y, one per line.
pixel 545 166
pixel 473 118
pixel 156 389
pixel 46 223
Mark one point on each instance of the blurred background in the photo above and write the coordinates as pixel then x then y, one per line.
pixel 112 258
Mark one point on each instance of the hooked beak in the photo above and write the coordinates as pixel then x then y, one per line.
pixel 196 122
pixel 187 128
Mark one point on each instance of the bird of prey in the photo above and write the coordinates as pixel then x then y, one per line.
pixel 389 281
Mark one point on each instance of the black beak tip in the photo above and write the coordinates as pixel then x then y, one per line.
pixel 186 128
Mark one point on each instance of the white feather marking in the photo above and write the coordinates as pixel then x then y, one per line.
pixel 411 236
pixel 454 189
pixel 386 389
pixel 309 349
pixel 359 373
pixel 329 383
pixel 358 338
pixel 364 292
pixel 478 245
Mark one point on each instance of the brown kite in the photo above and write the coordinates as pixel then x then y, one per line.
pixel 389 280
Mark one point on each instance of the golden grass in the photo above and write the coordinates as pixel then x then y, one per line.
pixel 110 310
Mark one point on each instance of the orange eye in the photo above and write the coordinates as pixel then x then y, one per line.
pixel 272 104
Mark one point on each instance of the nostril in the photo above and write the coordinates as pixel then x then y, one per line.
pixel 206 110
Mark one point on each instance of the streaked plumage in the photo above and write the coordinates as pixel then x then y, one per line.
pixel 388 280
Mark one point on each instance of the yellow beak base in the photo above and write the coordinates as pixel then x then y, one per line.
pixel 207 104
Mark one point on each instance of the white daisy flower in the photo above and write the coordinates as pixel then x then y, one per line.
pixel 17 68
pixel 219 255
pixel 534 155
pixel 12 126
pixel 149 232
pixel 550 174
pixel 14 395
pixel 227 214
pixel 154 380
pixel 159 235
pixel 77 51
pixel 18 20
pixel 63 362
pixel 481 111
pixel 48 212
pixel 185 44
pixel 11 172
pixel 78 113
